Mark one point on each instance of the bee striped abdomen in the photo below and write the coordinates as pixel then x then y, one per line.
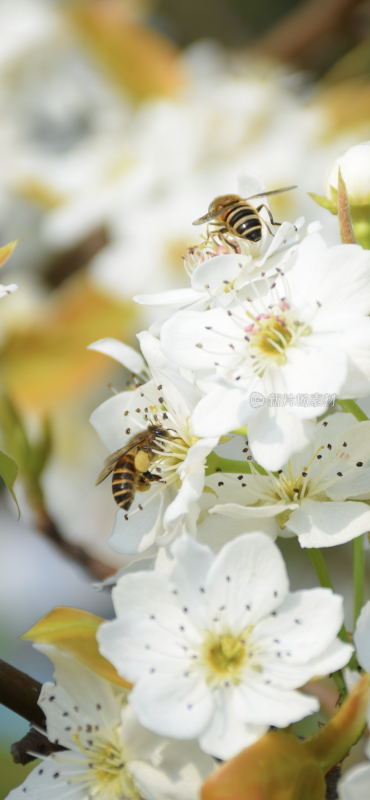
pixel 244 222
pixel 124 481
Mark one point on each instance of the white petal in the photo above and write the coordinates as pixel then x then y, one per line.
pixel 249 578
pixel 79 697
pixel 220 411
pixel 195 340
pixel 262 704
pixel 139 531
pixel 283 233
pixel 215 531
pixel 355 784
pixel 120 352
pixel 327 524
pixel 138 742
pixel 357 483
pixel 335 657
pixel 177 298
pixel 199 451
pixel 274 435
pixel 295 625
pixel 317 365
pixel 217 272
pixel 173 705
pixel 41 785
pixel 182 771
pixel 251 512
pixel 189 574
pixel 190 491
pixel 362 637
pixel 226 735
pixel 110 422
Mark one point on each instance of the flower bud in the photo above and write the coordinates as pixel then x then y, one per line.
pixel 355 168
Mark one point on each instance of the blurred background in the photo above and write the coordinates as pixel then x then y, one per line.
pixel 120 120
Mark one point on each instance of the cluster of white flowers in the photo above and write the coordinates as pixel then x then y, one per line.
pixel 206 630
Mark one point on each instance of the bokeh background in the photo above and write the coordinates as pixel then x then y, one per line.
pixel 120 120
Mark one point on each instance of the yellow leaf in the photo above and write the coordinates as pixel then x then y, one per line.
pixel 46 364
pixel 138 59
pixel 6 251
pixel 271 769
pixel 74 632
pixel 332 742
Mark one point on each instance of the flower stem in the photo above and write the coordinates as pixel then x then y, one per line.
pixel 358 575
pixel 322 573
pixel 215 463
pixel 352 408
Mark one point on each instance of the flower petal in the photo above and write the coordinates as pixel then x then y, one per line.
pixel 168 704
pixel 249 578
pixel 327 524
pixel 120 352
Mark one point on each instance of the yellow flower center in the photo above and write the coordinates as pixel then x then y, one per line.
pixel 227 655
pixel 107 777
pixel 269 336
pixel 224 658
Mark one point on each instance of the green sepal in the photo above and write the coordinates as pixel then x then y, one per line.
pixel 282 518
pixel 324 202
pixel 9 472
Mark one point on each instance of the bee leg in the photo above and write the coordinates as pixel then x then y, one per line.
pixel 271 217
pixel 269 213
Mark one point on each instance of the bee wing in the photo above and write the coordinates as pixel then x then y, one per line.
pixel 206 218
pixel 267 194
pixel 214 214
pixel 111 461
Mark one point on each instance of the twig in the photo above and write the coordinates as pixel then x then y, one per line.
pixel 19 692
pixel 47 526
pixel 302 28
pixel 33 742
pixel 331 781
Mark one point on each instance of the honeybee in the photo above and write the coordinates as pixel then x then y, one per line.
pixel 233 214
pixel 130 465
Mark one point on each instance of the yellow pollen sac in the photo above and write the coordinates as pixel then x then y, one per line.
pixel 226 655
pixel 108 775
pixel 272 338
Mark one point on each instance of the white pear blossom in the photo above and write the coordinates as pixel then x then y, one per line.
pixel 308 496
pixel 166 400
pixel 355 168
pixel 306 340
pixel 218 649
pixel 109 755
pixel 218 262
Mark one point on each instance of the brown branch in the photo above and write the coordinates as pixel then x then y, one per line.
pixel 33 742
pixel 331 781
pixel 302 28
pixel 19 692
pixel 98 569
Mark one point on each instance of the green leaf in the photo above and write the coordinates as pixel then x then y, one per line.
pixel 324 202
pixel 9 472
